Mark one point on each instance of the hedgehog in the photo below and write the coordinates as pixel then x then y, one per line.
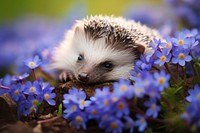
pixel 101 49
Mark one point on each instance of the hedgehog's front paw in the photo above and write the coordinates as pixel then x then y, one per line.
pixel 66 76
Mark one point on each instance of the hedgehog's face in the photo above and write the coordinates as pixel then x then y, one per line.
pixel 97 62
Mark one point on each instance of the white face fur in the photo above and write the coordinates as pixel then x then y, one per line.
pixel 95 55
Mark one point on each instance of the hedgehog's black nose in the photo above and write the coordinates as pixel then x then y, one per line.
pixel 83 76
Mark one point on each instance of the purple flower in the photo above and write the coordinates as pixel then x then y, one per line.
pixel 190 33
pixel 121 108
pixel 33 63
pixel 192 114
pixel 194 94
pixel 129 124
pixel 155 44
pixel 34 100
pixel 162 80
pixel 145 63
pixel 71 108
pixel 139 88
pixel 162 57
pixel 48 95
pixel 181 56
pixel 137 73
pixel 181 41
pixel 93 112
pixel 79 120
pixel 122 88
pixel 5 84
pixel 16 92
pixel 112 124
pixel 153 108
pixel 167 45
pixel 25 108
pixel 81 100
pixel 20 78
pixel 141 123
pixel 34 88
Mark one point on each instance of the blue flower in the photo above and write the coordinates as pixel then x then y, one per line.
pixel 153 108
pixel 139 88
pixel 194 94
pixel 5 84
pixel 121 108
pixel 192 114
pixel 93 112
pixel 181 56
pixel 20 78
pixel 34 88
pixel 101 94
pixel 122 88
pixel 145 63
pixel 181 41
pixel 79 120
pixel 48 95
pixel 16 92
pixel 81 100
pixel 190 33
pixel 168 45
pixel 72 95
pixel 162 57
pixel 129 124
pixel 112 124
pixel 137 73
pixel 71 108
pixel 155 44
pixel 25 108
pixel 34 100
pixel 33 63
pixel 162 80
pixel 141 123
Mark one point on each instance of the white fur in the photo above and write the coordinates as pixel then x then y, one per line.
pixel 95 52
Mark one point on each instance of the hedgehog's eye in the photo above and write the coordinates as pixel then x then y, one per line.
pixel 108 65
pixel 80 57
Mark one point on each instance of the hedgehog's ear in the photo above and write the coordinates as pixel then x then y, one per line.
pixel 139 49
pixel 78 30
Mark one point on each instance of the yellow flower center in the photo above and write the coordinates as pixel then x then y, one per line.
pixel 168 45
pixel 198 96
pixel 163 58
pixel 47 96
pixel 120 105
pixel 73 108
pixel 94 112
pixel 31 64
pixel 34 102
pixel 142 121
pixel 82 102
pixel 16 92
pixel 79 119
pixel 113 125
pixel 106 102
pixel 32 89
pixel 181 56
pixel 180 42
pixel 139 75
pixel 153 106
pixel 123 88
pixel 161 80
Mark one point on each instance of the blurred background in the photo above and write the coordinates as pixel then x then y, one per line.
pixel 35 27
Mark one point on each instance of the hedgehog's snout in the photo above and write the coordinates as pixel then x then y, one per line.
pixel 83 77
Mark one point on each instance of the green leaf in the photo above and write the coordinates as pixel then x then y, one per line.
pixel 59 110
